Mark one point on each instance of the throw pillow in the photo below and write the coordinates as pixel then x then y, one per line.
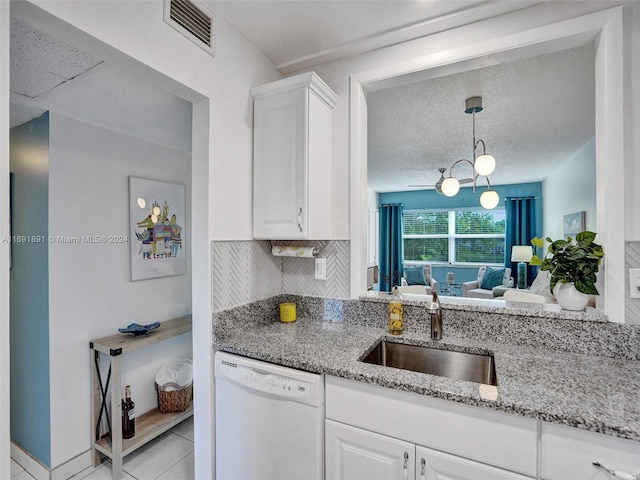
pixel 415 275
pixel 492 278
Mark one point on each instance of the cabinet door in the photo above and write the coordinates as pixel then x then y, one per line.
pixel 434 465
pixel 280 165
pixel 569 453
pixel 355 454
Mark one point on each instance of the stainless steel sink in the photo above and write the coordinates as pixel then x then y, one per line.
pixel 473 367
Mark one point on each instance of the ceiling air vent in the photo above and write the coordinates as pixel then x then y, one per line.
pixel 193 20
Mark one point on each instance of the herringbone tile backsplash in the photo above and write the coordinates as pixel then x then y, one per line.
pixel 245 271
pixel 631 260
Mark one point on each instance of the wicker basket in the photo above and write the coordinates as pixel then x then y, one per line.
pixel 175 400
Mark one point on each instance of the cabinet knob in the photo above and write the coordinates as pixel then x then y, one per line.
pixel 405 469
pixel 616 473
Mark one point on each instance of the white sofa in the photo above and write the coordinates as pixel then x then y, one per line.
pixel 473 289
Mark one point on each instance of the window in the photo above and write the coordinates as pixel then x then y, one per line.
pixel 457 236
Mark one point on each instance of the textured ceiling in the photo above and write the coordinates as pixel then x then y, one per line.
pixel 537 112
pixel 51 75
pixel 40 62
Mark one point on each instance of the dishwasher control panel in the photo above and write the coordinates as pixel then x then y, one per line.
pixel 264 381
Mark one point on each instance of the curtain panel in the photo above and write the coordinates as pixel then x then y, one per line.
pixel 391 254
pixel 521 228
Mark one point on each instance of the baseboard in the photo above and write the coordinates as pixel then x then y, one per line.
pixel 73 467
pixel 37 470
pixel 32 465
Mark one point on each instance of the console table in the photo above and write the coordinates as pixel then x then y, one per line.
pixel 149 425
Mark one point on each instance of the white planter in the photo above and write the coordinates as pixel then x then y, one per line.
pixel 569 297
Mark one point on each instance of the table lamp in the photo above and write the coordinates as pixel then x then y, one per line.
pixel 521 254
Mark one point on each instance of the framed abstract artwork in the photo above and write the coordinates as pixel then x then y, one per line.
pixel 156 229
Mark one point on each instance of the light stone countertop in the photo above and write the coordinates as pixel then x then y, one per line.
pixel 539 376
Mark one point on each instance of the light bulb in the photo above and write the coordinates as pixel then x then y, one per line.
pixel 489 199
pixel 485 164
pixel 450 186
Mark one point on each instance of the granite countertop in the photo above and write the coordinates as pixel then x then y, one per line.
pixel 592 392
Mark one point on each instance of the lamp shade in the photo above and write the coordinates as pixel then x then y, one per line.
pixel 521 253
pixel 485 164
pixel 450 186
pixel 489 199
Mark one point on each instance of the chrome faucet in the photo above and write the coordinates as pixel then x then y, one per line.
pixel 434 309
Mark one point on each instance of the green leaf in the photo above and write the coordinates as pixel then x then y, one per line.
pixel 586 287
pixel 537 242
pixel 535 261
pixel 585 237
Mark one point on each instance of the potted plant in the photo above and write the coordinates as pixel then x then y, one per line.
pixel 572 265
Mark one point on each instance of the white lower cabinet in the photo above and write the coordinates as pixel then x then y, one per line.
pixel 370 428
pixel 435 465
pixel 471 435
pixel 568 453
pixel 356 454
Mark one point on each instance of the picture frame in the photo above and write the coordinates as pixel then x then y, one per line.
pixel 156 229
pixel 574 223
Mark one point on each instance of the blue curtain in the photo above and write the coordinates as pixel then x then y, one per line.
pixel 390 246
pixel 521 228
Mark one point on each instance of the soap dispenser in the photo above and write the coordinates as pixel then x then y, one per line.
pixel 396 320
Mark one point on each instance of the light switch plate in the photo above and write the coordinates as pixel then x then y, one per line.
pixel 634 282
pixel 321 268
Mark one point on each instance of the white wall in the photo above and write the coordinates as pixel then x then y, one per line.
pixel 225 80
pixel 570 188
pixel 90 292
pixel 222 147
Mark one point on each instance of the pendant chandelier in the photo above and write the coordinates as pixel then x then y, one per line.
pixel 482 165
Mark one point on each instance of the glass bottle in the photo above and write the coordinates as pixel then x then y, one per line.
pixel 128 414
pixel 396 320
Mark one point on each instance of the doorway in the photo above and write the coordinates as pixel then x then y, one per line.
pixel 197 183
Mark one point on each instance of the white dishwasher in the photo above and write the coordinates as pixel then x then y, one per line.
pixel 269 421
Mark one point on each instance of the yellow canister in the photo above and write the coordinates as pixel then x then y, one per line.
pixel 287 312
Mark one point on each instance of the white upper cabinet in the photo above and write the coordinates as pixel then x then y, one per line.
pixel 292 159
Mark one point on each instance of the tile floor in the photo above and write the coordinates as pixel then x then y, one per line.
pixel 168 457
